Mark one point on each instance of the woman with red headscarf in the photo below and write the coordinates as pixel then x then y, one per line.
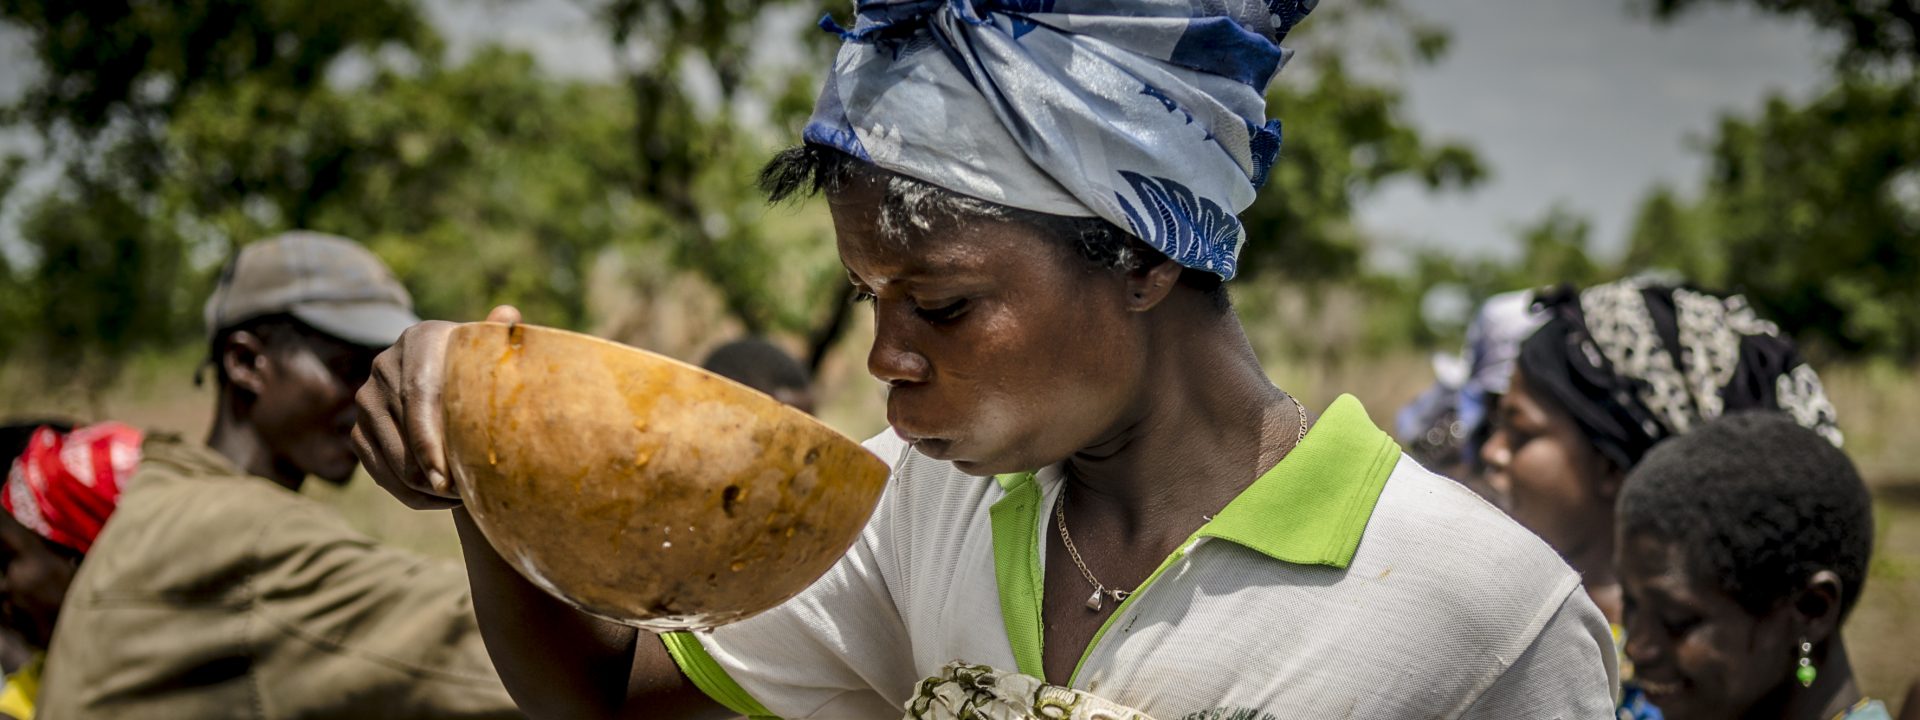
pixel 61 487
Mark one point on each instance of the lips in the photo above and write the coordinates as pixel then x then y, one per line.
pixel 1659 688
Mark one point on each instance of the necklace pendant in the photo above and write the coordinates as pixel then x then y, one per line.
pixel 1094 600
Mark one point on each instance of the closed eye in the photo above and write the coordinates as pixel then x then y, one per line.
pixel 944 313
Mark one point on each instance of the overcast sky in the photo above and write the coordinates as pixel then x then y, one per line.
pixel 1580 102
pixel 1570 101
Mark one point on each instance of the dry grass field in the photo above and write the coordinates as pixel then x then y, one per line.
pixel 1879 410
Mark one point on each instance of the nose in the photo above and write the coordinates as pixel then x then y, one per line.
pixel 892 359
pixel 1641 649
pixel 1497 455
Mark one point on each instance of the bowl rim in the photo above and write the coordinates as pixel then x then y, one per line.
pixel 792 413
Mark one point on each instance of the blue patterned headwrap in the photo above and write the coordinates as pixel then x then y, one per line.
pixel 1149 113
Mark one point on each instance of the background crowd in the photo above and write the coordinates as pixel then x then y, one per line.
pixel 154 142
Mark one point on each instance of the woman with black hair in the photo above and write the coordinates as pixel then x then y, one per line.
pixel 1100 506
pixel 1615 370
pixel 1744 545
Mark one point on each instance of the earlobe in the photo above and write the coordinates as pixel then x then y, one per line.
pixel 1818 605
pixel 1147 286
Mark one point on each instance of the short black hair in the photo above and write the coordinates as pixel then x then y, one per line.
pixel 758 364
pixel 811 169
pixel 1757 503
pixel 280 332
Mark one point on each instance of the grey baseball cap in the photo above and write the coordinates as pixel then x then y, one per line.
pixel 329 282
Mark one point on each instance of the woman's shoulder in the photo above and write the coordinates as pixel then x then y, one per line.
pixel 1428 526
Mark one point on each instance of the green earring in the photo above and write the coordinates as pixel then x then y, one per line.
pixel 1806 673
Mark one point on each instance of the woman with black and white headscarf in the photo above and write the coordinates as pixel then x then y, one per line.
pixel 1616 369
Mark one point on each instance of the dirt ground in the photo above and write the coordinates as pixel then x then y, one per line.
pixel 1878 411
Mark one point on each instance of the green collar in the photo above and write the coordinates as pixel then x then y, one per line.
pixel 1310 509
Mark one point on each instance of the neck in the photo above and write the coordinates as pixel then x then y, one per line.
pixel 1594 561
pixel 1211 425
pixel 237 440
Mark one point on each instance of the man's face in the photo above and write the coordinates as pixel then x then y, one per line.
pixel 33 582
pixel 304 410
pixel 1003 350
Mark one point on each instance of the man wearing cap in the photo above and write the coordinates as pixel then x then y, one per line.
pixel 216 589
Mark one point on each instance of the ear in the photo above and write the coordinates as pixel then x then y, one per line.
pixel 243 359
pixel 1816 606
pixel 1611 478
pixel 1147 285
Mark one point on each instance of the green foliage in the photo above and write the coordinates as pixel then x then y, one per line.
pixel 128 65
pixel 1818 210
pixel 184 130
pixel 1554 250
pixel 697 168
pixel 106 284
pixel 1668 235
pixel 1345 137
pixel 1875 31
pixel 109 272
pixel 479 184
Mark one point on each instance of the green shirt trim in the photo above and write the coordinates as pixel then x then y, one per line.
pixel 706 674
pixel 1313 507
pixel 1310 509
pixel 1016 567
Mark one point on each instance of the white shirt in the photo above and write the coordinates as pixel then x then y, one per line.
pixel 1346 582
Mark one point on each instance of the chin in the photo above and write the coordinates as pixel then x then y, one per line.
pixel 337 473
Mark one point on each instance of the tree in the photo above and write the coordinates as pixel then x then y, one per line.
pixel 1345 137
pixel 106 273
pixel 1818 208
pixel 1670 235
pixel 697 168
pixel 1872 31
pixel 484 183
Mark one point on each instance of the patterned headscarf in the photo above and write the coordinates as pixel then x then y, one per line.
pixel 64 487
pixel 1149 113
pixel 1637 362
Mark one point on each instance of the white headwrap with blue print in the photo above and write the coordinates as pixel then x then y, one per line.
pixel 1149 113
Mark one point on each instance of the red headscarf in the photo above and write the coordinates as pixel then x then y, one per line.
pixel 65 486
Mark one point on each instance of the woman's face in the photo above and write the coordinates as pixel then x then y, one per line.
pixel 33 582
pixel 1549 475
pixel 1695 651
pixel 1002 349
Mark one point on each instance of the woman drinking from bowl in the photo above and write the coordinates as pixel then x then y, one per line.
pixel 1743 546
pixel 1615 370
pixel 1099 502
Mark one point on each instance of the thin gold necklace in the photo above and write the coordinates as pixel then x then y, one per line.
pixel 1102 592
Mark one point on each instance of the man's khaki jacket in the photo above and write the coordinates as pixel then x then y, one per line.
pixel 215 594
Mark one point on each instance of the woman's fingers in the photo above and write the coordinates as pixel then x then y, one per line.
pixel 398 435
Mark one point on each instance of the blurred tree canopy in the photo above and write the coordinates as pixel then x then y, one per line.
pixel 1345 136
pixel 181 131
pixel 1813 207
pixel 1872 31
pixel 1814 211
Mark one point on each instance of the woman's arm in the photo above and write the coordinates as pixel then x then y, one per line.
pixel 558 662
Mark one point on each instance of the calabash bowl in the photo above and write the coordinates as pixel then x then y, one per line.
pixel 641 489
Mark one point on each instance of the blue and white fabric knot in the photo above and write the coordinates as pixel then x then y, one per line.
pixel 1149 113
